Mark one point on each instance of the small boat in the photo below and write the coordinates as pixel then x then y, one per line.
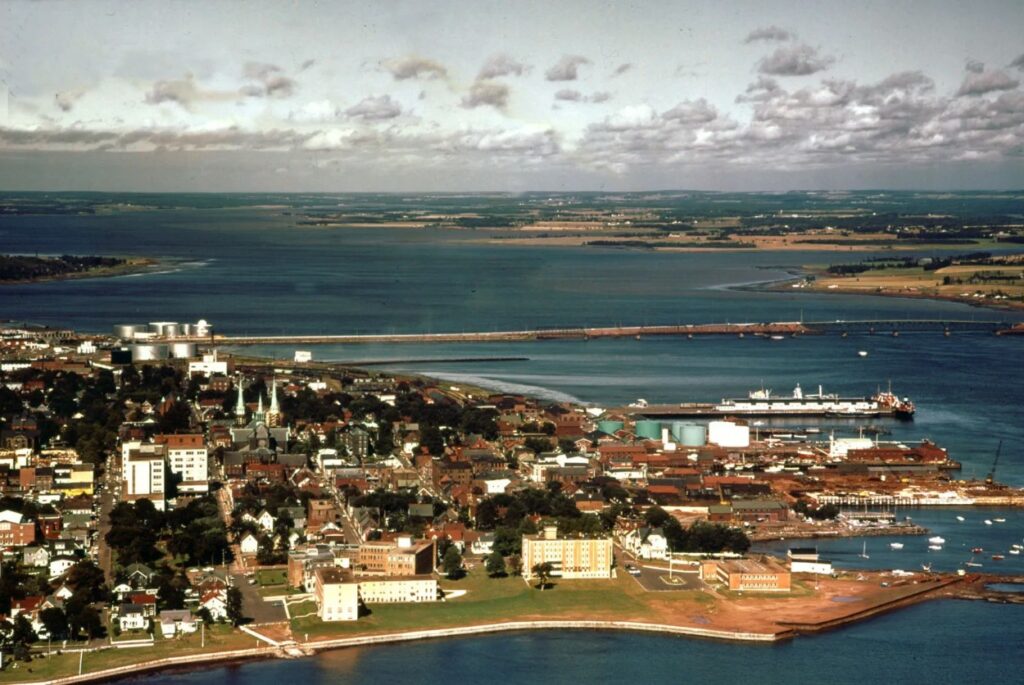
pixel 960 518
pixel 864 551
pixel 1014 551
pixel 896 545
pixel 777 337
pixel 862 353
pixel 988 522
pixel 977 550
pixel 997 557
pixel 1000 520
pixel 1017 545
pixel 937 540
pixel 972 563
pixel 935 548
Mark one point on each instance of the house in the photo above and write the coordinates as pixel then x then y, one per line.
pixel 177 621
pixel 483 545
pixel 146 601
pixel 131 617
pixel 265 520
pixel 138 575
pixel 60 565
pixel 37 557
pixel 249 544
pixel 646 543
pixel 215 601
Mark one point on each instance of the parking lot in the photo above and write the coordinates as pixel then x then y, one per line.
pixel 659 579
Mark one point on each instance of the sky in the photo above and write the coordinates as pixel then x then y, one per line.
pixel 511 96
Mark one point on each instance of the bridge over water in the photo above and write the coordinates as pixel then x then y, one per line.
pixel 770 330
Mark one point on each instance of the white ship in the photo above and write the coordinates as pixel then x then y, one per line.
pixel 761 403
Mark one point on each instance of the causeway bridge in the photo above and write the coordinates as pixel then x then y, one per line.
pixel 767 330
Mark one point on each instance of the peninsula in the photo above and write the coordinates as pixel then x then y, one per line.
pixel 33 269
pixel 184 507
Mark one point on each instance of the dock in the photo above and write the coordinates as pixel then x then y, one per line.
pixel 770 331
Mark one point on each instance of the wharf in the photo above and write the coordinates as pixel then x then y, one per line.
pixel 705 409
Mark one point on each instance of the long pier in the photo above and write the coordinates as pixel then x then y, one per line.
pixel 766 330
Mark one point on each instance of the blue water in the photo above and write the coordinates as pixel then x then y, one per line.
pixel 931 643
pixel 254 271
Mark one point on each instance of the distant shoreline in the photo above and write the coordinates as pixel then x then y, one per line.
pixel 130 265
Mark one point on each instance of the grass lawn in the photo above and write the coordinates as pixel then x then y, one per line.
pixel 493 600
pixel 218 638
pixel 273 576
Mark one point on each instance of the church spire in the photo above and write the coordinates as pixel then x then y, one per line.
pixel 240 405
pixel 274 414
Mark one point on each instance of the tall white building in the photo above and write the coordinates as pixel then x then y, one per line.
pixel 144 472
pixel 187 456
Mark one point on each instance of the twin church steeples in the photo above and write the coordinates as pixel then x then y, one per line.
pixel 271 417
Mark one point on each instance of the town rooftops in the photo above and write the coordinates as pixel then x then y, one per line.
pixel 334 575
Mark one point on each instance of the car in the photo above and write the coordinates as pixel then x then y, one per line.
pixel 632 570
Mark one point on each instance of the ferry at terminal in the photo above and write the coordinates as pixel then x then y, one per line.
pixel 761 403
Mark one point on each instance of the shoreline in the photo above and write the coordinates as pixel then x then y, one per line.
pixel 295 650
pixel 131 266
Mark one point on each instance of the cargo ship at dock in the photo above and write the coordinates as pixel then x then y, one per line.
pixel 761 402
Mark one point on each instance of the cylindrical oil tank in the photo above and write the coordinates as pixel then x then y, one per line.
pixel 202 328
pixel 610 427
pixel 183 350
pixel 127 331
pixel 729 434
pixel 168 328
pixel 142 353
pixel 692 435
pixel 648 429
pixel 186 328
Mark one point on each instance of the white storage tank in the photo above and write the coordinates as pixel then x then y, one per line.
pixel 183 350
pixel 127 331
pixel 143 353
pixel 167 328
pixel 202 328
pixel 729 434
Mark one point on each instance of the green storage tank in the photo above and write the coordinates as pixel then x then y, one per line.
pixel 610 427
pixel 693 435
pixel 648 429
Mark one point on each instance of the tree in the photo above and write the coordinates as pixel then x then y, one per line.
pixel 55 621
pixel 515 565
pixel 543 573
pixel 234 606
pixel 23 634
pixel 495 564
pixel 452 563
pixel 205 616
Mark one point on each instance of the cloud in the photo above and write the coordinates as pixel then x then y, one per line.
pixel 979 80
pixel 501 65
pixel 483 93
pixel 623 68
pixel 226 138
pixel 185 92
pixel 567 68
pixel 794 60
pixel 1019 62
pixel 692 112
pixel 66 100
pixel 318 111
pixel 372 108
pixel 413 67
pixel 307 64
pixel 769 33
pixel 570 95
pixel 273 82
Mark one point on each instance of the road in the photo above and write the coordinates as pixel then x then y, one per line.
pixel 111 484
